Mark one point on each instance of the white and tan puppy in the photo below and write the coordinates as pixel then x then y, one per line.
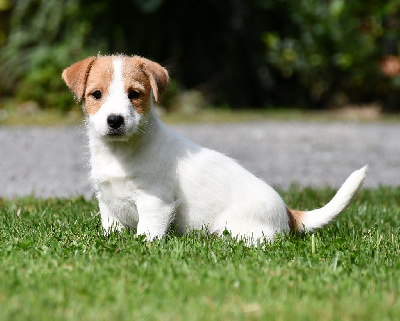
pixel 148 177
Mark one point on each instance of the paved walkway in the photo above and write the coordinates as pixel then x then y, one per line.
pixel 52 162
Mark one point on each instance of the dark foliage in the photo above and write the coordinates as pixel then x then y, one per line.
pixel 307 53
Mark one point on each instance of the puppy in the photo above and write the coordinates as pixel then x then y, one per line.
pixel 150 178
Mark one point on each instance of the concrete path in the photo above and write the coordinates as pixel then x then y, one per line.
pixel 53 162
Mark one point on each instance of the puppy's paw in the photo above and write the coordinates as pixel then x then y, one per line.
pixel 115 227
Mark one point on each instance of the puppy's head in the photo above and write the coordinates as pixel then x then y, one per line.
pixel 117 91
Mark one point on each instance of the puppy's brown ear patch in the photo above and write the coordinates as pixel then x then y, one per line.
pixel 75 76
pixel 157 75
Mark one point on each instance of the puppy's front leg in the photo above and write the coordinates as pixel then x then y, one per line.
pixel 155 216
pixel 108 221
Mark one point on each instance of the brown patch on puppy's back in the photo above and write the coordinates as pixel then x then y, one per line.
pixel 295 220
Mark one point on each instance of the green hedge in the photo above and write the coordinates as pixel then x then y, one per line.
pixel 306 53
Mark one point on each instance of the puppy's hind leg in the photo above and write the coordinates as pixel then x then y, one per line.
pixel 250 229
pixel 252 235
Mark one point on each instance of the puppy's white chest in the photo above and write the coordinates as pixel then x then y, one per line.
pixel 112 180
pixel 117 189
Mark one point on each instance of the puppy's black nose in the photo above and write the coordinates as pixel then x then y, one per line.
pixel 115 121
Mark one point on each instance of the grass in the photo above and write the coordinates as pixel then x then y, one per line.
pixel 51 117
pixel 12 116
pixel 55 264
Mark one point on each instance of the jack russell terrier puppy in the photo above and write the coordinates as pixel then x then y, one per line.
pixel 150 178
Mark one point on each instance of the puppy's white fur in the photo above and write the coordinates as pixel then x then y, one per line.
pixel 150 177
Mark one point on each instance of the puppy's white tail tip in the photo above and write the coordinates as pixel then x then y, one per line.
pixel 312 220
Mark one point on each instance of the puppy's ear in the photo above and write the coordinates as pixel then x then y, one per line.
pixel 158 77
pixel 75 76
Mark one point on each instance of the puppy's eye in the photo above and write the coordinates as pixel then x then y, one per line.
pixel 133 94
pixel 96 94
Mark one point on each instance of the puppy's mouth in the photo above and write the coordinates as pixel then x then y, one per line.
pixel 115 132
pixel 116 135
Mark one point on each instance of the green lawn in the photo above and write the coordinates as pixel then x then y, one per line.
pixel 55 264
pixel 12 116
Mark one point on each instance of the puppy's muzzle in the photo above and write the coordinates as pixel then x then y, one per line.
pixel 115 121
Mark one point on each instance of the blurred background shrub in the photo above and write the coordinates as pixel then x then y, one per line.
pixel 237 53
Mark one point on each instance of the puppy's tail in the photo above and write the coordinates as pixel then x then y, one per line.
pixel 300 221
